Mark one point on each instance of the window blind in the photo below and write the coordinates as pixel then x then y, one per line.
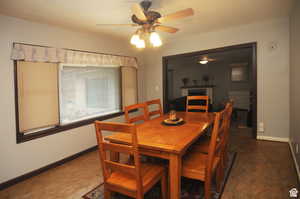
pixel 37 95
pixel 129 86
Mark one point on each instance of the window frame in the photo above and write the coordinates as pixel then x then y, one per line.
pixel 21 137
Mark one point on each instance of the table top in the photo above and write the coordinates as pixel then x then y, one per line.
pixel 175 139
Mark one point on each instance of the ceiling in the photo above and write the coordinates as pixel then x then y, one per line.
pixel 84 14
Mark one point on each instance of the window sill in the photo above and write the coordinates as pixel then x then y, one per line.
pixel 24 138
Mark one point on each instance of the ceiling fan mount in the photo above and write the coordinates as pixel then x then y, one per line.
pixel 146 4
pixel 151 16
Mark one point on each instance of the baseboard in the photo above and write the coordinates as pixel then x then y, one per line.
pixel 295 160
pixel 269 138
pixel 21 178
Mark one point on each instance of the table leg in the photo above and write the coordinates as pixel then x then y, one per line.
pixel 175 176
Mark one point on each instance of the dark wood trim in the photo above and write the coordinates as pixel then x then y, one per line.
pixel 252 45
pixel 18 135
pixel 24 138
pixel 45 168
pixel 254 94
pixel 213 50
pixel 165 83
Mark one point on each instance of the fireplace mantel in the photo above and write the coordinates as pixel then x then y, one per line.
pixel 204 86
pixel 208 91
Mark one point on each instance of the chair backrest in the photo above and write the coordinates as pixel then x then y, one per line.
pixel 109 166
pixel 219 136
pixel 141 107
pixel 216 140
pixel 155 112
pixel 228 113
pixel 197 107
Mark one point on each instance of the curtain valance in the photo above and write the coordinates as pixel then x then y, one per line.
pixel 34 53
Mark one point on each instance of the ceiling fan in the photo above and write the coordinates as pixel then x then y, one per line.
pixel 148 21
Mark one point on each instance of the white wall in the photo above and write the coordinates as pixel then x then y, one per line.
pixel 18 159
pixel 273 67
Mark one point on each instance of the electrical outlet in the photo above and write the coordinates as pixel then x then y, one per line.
pixel 297 148
pixel 261 127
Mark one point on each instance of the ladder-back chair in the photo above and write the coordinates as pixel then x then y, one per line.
pixel 131 180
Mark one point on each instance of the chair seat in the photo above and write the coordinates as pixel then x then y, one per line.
pixel 194 165
pixel 202 145
pixel 150 173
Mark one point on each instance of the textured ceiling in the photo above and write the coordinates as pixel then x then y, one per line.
pixel 84 14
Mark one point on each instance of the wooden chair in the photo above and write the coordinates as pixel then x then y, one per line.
pixel 140 106
pixel 200 166
pixel 197 107
pixel 229 109
pixel 155 112
pixel 131 180
pixel 202 145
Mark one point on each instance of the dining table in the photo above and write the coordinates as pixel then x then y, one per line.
pixel 156 139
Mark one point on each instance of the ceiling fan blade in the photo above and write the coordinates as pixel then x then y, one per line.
pixel 138 11
pixel 166 29
pixel 177 15
pixel 116 25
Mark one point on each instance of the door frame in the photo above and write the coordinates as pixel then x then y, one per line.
pixel 252 45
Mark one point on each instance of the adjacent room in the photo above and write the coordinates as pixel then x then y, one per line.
pixel 222 75
pixel 149 99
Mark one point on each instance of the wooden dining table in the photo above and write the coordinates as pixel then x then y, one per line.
pixel 168 142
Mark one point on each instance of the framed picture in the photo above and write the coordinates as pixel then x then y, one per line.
pixel 239 72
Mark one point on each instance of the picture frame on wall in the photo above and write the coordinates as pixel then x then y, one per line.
pixel 239 72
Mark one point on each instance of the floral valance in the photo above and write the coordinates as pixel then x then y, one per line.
pixel 34 53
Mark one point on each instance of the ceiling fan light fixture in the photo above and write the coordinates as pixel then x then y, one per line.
pixel 140 44
pixel 203 61
pixel 148 21
pixel 135 39
pixel 155 39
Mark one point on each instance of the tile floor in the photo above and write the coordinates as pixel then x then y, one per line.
pixel 262 169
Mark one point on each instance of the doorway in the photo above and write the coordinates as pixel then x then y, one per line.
pixel 222 74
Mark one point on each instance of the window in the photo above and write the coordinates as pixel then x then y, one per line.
pixel 51 98
pixel 87 92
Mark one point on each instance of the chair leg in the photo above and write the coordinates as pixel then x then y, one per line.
pixel 107 194
pixel 219 177
pixel 164 187
pixel 225 158
pixel 140 196
pixel 207 188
